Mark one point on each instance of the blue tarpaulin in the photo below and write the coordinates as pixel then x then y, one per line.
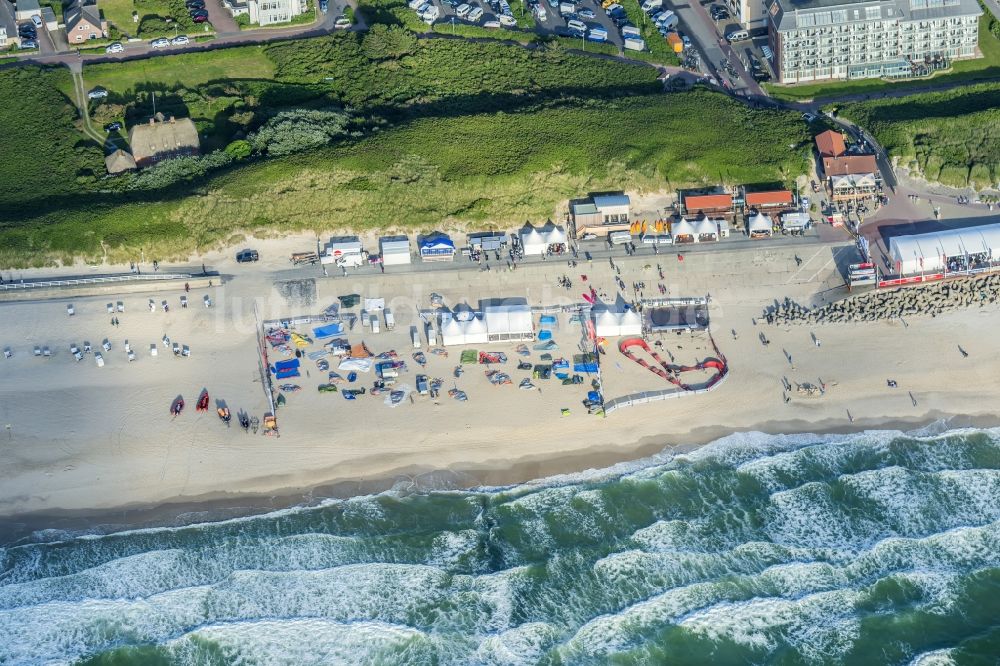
pixel 328 331
pixel 285 374
pixel 290 364
pixel 544 334
pixel 547 319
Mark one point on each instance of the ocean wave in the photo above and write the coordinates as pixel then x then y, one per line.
pixel 755 545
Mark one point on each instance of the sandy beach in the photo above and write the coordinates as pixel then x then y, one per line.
pixel 87 439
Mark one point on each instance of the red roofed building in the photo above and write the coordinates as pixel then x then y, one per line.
pixel 830 144
pixel 775 199
pixel 708 203
pixel 848 165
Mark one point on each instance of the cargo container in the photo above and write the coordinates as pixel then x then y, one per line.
pixel 635 44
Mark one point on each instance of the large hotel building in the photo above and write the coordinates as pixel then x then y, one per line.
pixel 816 40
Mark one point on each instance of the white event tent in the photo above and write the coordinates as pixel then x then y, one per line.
pixel 931 252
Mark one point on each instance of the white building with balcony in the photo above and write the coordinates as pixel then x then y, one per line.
pixel 271 12
pixel 817 40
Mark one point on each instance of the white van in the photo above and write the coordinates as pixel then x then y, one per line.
pixel 567 8
pixel 578 27
pixel 390 319
pixel 374 323
pixel 631 31
pixel 475 14
pixel 737 36
pixel 650 5
pixel 619 237
pixel 462 10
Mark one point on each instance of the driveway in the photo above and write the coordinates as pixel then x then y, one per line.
pixel 221 19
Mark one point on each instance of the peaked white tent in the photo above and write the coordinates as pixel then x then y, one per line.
pixel 475 331
pixel 759 225
pixel 683 231
pixel 616 323
pixel 451 332
pixel 706 230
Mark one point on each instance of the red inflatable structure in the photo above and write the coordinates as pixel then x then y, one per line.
pixel 672 372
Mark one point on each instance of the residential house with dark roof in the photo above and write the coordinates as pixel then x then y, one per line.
pixel 84 23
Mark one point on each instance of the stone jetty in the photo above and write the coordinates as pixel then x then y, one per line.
pixel 922 300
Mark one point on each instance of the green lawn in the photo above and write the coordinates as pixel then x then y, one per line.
pixel 980 69
pixel 186 70
pixel 119 12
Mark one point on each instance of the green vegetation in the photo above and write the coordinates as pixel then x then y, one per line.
pixel 439 131
pixel 659 50
pixel 952 137
pixel 961 71
pixel 44 156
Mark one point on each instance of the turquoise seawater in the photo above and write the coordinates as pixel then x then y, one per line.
pixel 876 548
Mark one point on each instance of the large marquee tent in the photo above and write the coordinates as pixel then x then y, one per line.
pixel 931 252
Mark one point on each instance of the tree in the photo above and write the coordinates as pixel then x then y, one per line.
pixel 294 131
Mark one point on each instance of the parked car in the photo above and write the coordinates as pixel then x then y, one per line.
pixel 114 47
pixel 200 18
pixel 475 14
pixel 29 44
pixel 342 22
pixel 195 4
pixel 578 28
pixel 113 127
pixel 586 13
pixel 463 10
pixel 180 40
pixel 159 43
pixel 199 12
pixel 98 93
pixel 247 256
pixel 324 6
pixel 808 117
pixel 37 20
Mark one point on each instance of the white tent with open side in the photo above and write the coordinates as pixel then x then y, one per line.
pixel 683 231
pixel 759 225
pixel 706 230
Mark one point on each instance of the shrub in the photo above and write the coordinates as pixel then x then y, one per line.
pixel 239 149
pixel 296 131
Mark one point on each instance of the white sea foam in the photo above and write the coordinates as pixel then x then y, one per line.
pixel 450 548
pixel 934 658
pixel 520 646
pixel 302 642
pixel 821 626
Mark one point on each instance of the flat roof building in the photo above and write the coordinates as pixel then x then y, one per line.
pixel 816 40
pixel 601 214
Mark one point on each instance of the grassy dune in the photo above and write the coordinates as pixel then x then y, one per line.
pixel 449 133
pixel 952 137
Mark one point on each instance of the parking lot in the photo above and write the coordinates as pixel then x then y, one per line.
pixel 586 22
